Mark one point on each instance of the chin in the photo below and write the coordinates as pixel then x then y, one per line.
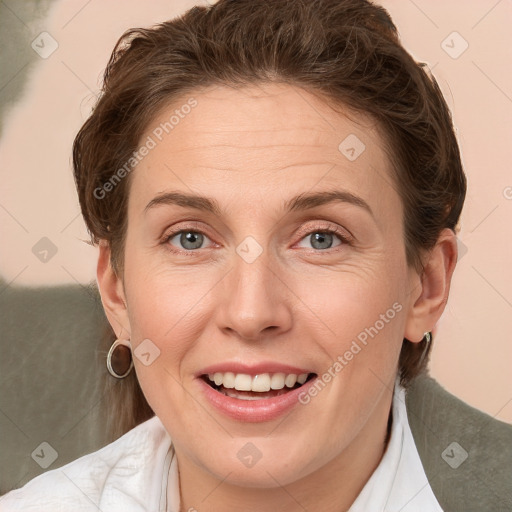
pixel 260 463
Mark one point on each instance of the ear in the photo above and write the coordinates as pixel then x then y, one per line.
pixel 433 286
pixel 112 293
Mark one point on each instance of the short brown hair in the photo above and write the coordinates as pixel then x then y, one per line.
pixel 348 51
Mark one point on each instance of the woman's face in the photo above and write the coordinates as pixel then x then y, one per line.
pixel 280 252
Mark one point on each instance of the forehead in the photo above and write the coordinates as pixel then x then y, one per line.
pixel 261 141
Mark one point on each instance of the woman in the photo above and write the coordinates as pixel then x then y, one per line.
pixel 275 188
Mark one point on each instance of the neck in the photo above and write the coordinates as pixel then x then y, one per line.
pixel 332 488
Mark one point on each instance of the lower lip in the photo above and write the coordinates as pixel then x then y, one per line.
pixel 264 409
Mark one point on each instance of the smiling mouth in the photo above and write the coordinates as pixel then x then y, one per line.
pixel 257 387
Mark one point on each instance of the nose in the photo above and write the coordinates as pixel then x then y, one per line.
pixel 256 303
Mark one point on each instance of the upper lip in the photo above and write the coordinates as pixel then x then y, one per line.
pixel 252 369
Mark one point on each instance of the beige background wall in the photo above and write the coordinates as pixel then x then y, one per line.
pixel 473 345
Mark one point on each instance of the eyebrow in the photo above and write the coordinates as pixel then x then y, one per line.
pixel 304 201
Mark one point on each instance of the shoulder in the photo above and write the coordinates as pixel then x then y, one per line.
pixel 115 477
pixel 466 454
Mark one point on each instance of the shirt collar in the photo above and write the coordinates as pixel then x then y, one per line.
pixel 398 484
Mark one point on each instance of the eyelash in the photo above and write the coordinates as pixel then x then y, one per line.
pixel 342 235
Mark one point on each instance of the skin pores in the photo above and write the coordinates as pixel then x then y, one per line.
pixel 251 150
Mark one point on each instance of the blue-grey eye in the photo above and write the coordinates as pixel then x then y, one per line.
pixel 189 240
pixel 321 239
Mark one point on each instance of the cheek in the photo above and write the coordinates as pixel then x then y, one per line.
pixel 164 307
pixel 170 306
pixel 160 295
pixel 344 304
pixel 166 310
pixel 368 339
pixel 362 319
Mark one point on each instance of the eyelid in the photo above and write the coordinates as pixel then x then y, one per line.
pixel 344 234
pixel 192 226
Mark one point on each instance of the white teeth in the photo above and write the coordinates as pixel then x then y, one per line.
pixel 290 380
pixel 262 382
pixel 228 380
pixel 277 381
pixel 302 378
pixel 243 382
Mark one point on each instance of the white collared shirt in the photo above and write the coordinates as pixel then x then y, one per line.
pixel 399 483
pixel 139 473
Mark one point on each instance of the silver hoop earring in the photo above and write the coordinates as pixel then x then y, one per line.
pixel 119 359
pixel 427 338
